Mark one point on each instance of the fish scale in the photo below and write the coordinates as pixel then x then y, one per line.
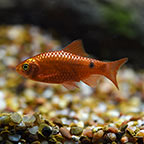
pixel 69 66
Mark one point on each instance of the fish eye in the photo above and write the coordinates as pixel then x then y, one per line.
pixel 25 67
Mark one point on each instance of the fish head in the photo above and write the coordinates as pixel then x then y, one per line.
pixel 28 68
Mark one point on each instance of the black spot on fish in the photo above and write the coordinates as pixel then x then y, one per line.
pixel 91 65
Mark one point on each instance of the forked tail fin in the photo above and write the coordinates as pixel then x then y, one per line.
pixel 112 68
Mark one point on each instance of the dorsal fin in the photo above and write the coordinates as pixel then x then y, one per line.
pixel 76 47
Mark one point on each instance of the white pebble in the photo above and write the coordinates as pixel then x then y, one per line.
pixel 113 113
pixel 2 53
pixel 33 130
pixel 15 32
pixel 2 95
pixel 12 50
pixel 72 114
pixel 125 118
pixel 102 107
pixel 2 101
pixel 2 81
pixel 2 104
pixel 66 121
pixel 10 61
pixel 48 93
pixel 30 92
pixel 56 100
pixel 128 74
pixel 140 122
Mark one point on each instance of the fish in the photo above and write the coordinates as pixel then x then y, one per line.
pixel 68 67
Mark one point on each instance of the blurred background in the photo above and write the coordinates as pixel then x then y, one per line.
pixel 109 29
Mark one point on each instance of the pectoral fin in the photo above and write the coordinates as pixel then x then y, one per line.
pixel 92 80
pixel 70 85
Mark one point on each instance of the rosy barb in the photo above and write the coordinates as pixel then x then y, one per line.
pixel 69 66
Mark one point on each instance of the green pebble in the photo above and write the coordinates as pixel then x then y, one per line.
pixel 59 138
pixel 52 141
pixel 4 119
pixel 76 130
pixel 15 117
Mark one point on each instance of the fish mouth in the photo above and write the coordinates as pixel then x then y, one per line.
pixel 18 68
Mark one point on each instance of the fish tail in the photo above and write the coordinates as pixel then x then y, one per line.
pixel 112 68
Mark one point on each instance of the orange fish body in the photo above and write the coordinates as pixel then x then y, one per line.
pixel 69 66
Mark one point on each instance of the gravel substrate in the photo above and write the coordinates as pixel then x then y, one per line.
pixel 32 112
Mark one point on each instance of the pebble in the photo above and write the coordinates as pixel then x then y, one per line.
pixel 58 122
pixel 124 139
pixel 97 119
pixel 85 140
pixel 48 93
pixel 33 130
pixel 28 119
pixel 14 138
pixel 9 61
pixel 2 53
pixel 21 124
pixel 88 133
pixel 113 113
pixel 80 124
pixel 111 136
pixel 16 118
pixel 98 135
pixel 4 119
pixel 65 132
pixel 112 129
pixel 75 138
pixel 2 104
pixel 29 95
pixel 46 130
pixel 140 133
pixel 76 130
pixel 12 50
pixel 2 81
pixel 15 32
pixel 44 142
pixel 55 130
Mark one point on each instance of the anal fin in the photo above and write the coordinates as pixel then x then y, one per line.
pixel 70 85
pixel 92 80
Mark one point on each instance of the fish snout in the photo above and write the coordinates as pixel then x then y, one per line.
pixel 18 68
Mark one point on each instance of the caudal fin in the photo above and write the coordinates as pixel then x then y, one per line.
pixel 112 68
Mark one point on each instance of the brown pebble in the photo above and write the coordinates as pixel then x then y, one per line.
pixel 98 135
pixel 65 133
pixel 88 133
pixel 85 140
pixel 113 129
pixel 124 139
pixel 40 101
pixel 57 122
